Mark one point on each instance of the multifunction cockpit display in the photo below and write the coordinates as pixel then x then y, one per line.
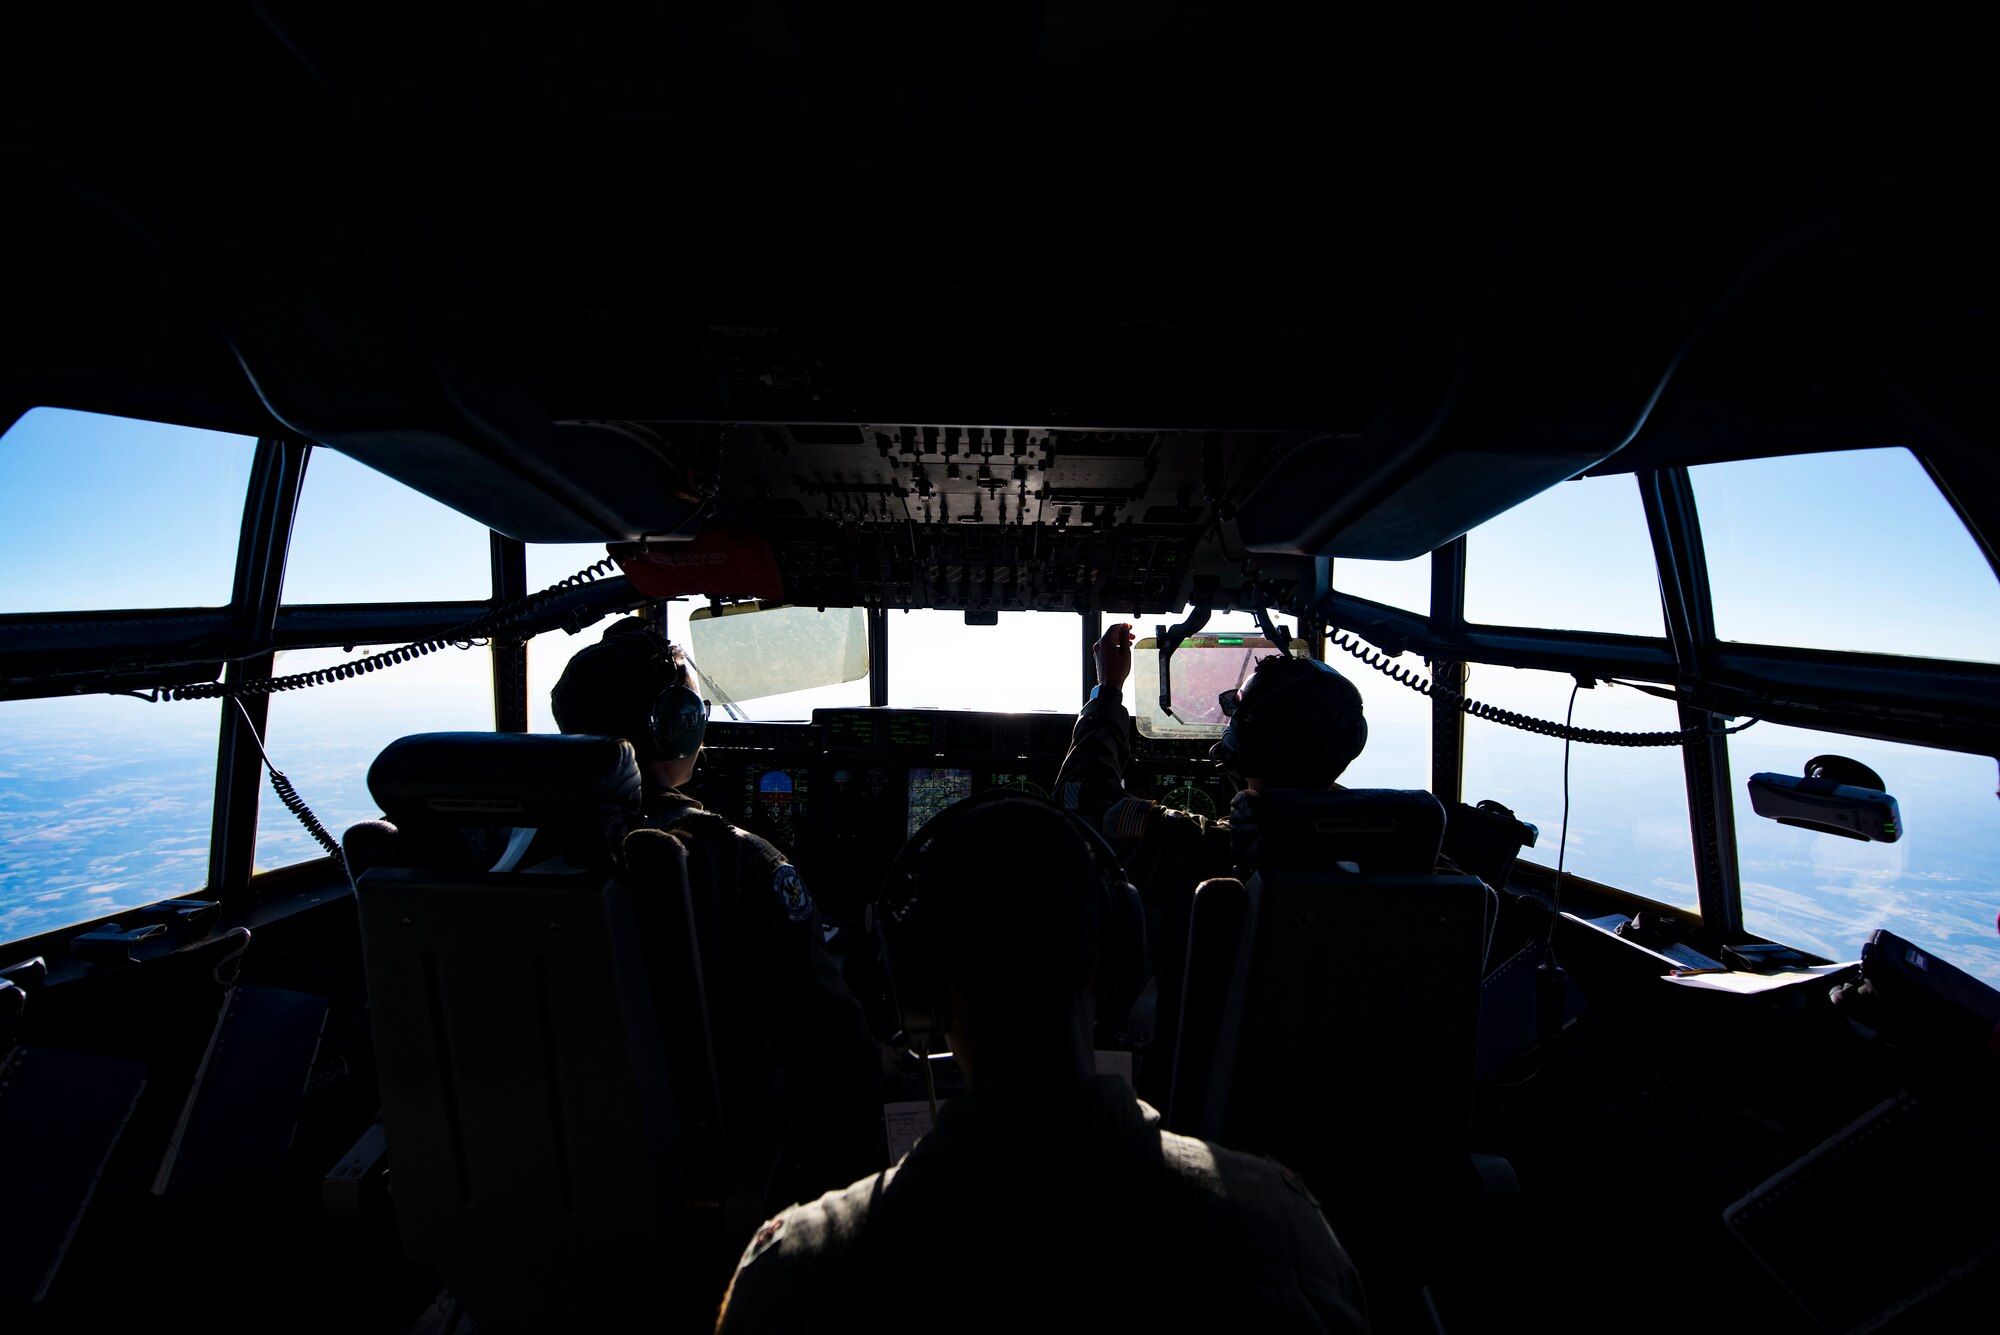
pixel 932 790
pixel 776 803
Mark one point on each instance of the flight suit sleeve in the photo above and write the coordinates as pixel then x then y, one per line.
pixel 772 1286
pixel 1092 778
pixel 1156 842
pixel 802 1005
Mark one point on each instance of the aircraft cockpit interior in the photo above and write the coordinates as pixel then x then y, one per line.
pixel 1478 535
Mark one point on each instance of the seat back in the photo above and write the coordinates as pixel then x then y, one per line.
pixel 533 1140
pixel 1330 1016
pixel 656 868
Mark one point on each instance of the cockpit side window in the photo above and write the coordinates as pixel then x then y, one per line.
pixel 1628 811
pixel 1824 893
pixel 549 652
pixel 1576 557
pixel 1579 557
pixel 1855 551
pixel 100 513
pixel 105 804
pixel 1404 584
pixel 361 537
pixel 106 801
pixel 326 737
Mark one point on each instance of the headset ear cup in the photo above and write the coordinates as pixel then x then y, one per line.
pixel 680 719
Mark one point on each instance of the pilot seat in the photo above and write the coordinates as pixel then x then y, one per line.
pixel 1330 1019
pixel 539 1141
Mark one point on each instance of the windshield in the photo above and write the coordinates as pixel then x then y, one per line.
pixel 774 657
pixel 1203 668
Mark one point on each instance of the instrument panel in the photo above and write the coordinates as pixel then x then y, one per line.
pixel 843 794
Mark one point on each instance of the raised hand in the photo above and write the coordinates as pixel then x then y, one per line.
pixel 1114 657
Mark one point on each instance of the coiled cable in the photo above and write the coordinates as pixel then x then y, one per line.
pixel 480 627
pixel 289 795
pixel 1425 686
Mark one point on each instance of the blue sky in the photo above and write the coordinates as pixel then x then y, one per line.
pixel 105 512
pixel 1854 551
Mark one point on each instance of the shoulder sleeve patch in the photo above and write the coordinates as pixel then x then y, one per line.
pixel 767 1237
pixel 790 888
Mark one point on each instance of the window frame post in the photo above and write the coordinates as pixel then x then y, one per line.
pixel 1447 618
pixel 1675 525
pixel 270 503
pixel 510 652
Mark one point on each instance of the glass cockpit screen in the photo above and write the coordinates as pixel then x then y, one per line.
pixel 932 790
pixel 775 804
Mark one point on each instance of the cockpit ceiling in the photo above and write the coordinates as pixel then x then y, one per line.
pixel 1406 271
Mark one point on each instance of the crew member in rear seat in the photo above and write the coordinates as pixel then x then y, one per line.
pixel 1296 724
pixel 1046 1196
pixel 774 991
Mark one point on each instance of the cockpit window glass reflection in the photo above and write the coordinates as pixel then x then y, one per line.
pixel 100 513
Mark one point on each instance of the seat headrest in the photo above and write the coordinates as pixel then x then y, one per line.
pixel 1380 830
pixel 543 781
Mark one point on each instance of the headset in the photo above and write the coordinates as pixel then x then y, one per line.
pixel 910 955
pixel 677 719
pixel 1228 753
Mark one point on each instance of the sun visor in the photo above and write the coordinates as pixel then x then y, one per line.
pixel 723 561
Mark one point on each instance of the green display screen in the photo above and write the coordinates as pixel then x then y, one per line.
pixel 852 730
pixel 914 733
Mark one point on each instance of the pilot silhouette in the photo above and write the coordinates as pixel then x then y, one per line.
pixel 773 989
pixel 1297 723
pixel 1046 1196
